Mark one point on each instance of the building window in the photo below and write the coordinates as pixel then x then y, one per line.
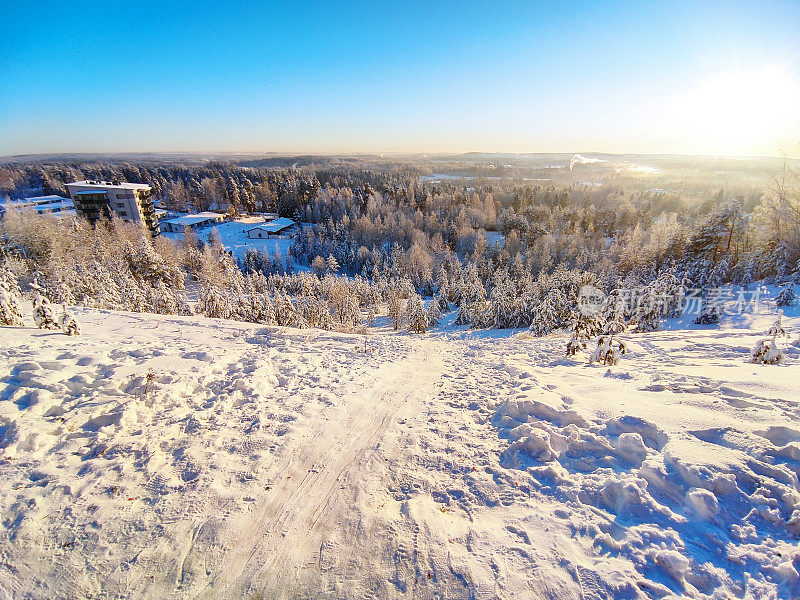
pixel 122 213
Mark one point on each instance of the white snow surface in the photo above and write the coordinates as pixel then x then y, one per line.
pixel 278 463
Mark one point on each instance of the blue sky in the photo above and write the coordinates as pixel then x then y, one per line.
pixel 401 76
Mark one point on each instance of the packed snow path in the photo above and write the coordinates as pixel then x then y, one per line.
pixel 167 457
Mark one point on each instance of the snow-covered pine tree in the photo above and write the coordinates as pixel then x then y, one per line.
pixel 62 293
pixel 313 311
pixel 434 312
pixel 331 264
pixel 583 327
pixel 285 313
pixel 472 297
pixel 395 308
pixel 372 314
pixel 786 297
pixel 10 298
pixel 575 344
pixel 69 322
pixel 277 262
pixel 416 317
pixel 710 310
pixel 318 264
pixel 501 302
pixel 608 351
pixel 215 239
pixel 213 302
pixel 649 311
pixel 441 299
pixel 43 312
pixel 348 311
pixel 547 315
pixel 614 314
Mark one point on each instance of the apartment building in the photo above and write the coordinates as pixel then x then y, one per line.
pixel 129 201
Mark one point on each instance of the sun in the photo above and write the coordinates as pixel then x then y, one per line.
pixel 739 112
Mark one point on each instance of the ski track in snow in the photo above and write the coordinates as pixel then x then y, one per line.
pixel 279 463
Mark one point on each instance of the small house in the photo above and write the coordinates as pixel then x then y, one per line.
pixel 276 228
pixel 191 222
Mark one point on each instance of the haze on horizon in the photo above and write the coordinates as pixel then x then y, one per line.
pixel 723 78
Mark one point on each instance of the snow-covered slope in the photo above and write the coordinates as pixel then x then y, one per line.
pixel 169 457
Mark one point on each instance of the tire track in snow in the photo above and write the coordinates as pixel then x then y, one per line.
pixel 285 535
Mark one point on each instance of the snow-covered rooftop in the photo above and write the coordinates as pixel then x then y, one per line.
pixel 122 185
pixel 52 198
pixel 40 203
pixel 195 218
pixel 274 225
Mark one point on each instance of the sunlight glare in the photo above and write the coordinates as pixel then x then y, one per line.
pixel 740 109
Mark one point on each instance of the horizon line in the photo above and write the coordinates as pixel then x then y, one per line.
pixel 378 153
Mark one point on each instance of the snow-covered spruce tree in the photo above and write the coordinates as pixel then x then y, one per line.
pixel 165 300
pixel 331 264
pixel 583 327
pixel 147 265
pixel 286 314
pixel 434 312
pixel 786 297
pixel 472 297
pixel 648 310
pixel 10 298
pixel 395 303
pixel 501 311
pixel 575 344
pixel 614 314
pixel 416 317
pixel 214 302
pixel 710 309
pixel 314 312
pixel 442 282
pixel 372 314
pixel 347 310
pixel 548 314
pixel 43 312
pixel 318 264
pixel 658 300
pixel 61 293
pixel 768 351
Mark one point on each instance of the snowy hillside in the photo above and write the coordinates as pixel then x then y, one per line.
pixel 185 457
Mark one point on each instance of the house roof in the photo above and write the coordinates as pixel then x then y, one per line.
pixel 194 219
pixel 122 185
pixel 273 226
pixel 39 203
pixel 52 198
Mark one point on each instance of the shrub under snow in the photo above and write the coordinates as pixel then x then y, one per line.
pixel 69 322
pixel 608 351
pixel 43 312
pixel 767 351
